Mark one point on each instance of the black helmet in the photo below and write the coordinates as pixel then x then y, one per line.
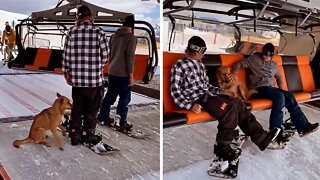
pixel 129 21
pixel 83 11
pixel 196 43
pixel 268 49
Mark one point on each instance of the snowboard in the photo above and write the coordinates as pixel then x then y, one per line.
pixel 284 136
pixel 97 146
pixel 227 169
pixel 133 133
pixel 100 147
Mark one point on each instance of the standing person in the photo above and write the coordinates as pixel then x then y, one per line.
pixel 9 41
pixel 85 54
pixel 122 53
pixel 190 89
pixel 261 71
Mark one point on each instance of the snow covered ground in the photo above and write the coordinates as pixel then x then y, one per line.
pixel 188 152
pixel 25 93
pixel 136 159
pixel 28 94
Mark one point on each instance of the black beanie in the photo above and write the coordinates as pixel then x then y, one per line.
pixel 83 11
pixel 129 21
pixel 269 47
pixel 197 41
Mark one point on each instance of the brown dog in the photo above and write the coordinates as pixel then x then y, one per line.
pixel 48 119
pixel 237 88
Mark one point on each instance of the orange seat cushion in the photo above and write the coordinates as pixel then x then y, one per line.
pixel 302 96
pixel 198 117
pixel 258 104
pixel 169 59
pixel 140 66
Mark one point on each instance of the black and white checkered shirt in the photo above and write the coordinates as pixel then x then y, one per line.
pixel 85 54
pixel 189 83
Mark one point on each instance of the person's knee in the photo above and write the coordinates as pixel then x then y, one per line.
pixel 231 108
pixel 278 101
pixel 291 99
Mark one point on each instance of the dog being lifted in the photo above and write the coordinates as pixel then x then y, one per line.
pixel 237 88
pixel 48 119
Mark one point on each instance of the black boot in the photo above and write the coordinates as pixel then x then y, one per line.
pixel 90 138
pixel 271 136
pixel 227 152
pixel 75 136
pixel 309 129
pixel 284 136
pixel 109 122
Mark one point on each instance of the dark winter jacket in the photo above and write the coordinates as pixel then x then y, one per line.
pixel 122 52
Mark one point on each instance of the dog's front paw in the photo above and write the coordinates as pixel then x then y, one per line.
pixel 46 144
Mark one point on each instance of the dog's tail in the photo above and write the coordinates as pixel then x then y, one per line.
pixel 17 143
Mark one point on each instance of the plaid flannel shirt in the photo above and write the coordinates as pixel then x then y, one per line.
pixel 189 83
pixel 85 55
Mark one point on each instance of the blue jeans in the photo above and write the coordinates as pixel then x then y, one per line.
pixel 280 99
pixel 118 86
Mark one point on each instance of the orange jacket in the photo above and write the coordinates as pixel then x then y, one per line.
pixel 9 38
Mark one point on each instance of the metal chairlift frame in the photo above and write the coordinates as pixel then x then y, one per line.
pixel 62 16
pixel 262 5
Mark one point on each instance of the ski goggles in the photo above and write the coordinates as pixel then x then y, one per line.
pixel 199 49
pixel 267 53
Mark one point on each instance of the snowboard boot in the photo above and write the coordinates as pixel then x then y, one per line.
pixel 90 139
pixel 288 125
pixel 109 122
pixel 281 140
pixel 271 136
pixel 309 129
pixel 127 127
pixel 284 136
pixel 227 152
pixel 75 136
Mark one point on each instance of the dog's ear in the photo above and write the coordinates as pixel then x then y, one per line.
pixel 58 95
pixel 61 101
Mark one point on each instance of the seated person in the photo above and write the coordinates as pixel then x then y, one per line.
pixel 261 71
pixel 191 90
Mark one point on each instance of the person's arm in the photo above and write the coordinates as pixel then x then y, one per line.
pixel 236 67
pixel 66 56
pixel 131 54
pixel 3 37
pixel 14 37
pixel 241 64
pixel 212 89
pixel 103 49
pixel 278 79
pixel 176 81
pixel 131 58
